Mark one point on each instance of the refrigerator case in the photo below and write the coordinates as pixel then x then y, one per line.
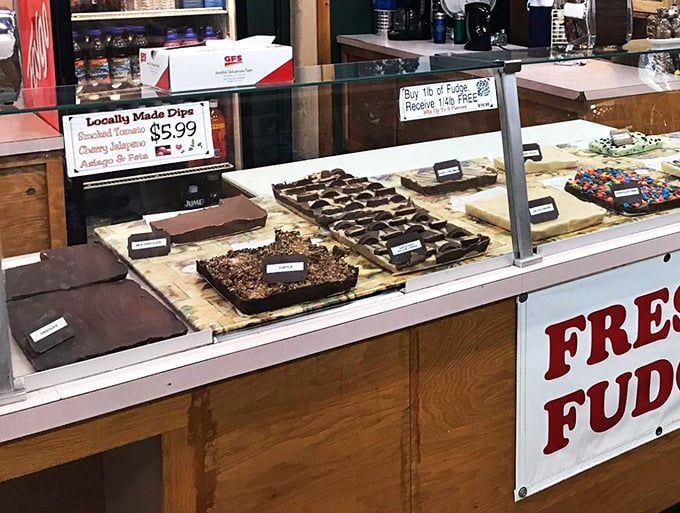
pixel 10 55
pixel 110 198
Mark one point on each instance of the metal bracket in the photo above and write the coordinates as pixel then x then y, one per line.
pixel 8 392
pixel 511 134
pixel 512 66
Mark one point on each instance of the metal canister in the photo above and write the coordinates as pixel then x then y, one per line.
pixel 459 32
pixel 439 27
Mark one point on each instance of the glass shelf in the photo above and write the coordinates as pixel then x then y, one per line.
pixel 162 13
pixel 75 98
pixel 498 55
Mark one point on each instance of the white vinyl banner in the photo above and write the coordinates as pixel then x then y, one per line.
pixel 598 370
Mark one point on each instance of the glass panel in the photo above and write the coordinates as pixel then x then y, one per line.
pixel 79 98
pixel 348 117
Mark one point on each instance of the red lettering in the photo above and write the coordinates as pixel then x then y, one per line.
pixel 599 422
pixel 232 59
pixel 676 304
pixel 558 419
pixel 560 344
pixel 643 400
pixel 606 325
pixel 649 318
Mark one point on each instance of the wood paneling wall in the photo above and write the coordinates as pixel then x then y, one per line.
pixel 420 420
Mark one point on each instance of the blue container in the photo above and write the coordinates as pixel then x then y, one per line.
pixel 385 5
pixel 192 4
pixel 439 28
pixel 214 3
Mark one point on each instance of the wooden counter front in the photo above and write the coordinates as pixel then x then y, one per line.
pixel 419 420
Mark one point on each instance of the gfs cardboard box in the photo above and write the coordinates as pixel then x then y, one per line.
pixel 216 65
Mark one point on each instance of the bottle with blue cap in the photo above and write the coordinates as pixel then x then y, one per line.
pixel 540 16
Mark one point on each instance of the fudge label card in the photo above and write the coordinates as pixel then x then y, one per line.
pixel 448 170
pixel 532 151
pixel 400 248
pixel 621 137
pixel 284 268
pixel 145 245
pixel 447 98
pixel 542 210
pixel 104 142
pixel 50 330
pixel 626 193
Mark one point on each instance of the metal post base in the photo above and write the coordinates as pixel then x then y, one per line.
pixel 13 396
pixel 527 261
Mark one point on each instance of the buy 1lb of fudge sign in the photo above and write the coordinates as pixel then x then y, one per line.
pixel 445 98
pixel 128 139
pixel 598 370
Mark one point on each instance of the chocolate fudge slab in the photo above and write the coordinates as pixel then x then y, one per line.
pixel 64 269
pixel 233 215
pixel 237 275
pixel 105 317
pixel 425 180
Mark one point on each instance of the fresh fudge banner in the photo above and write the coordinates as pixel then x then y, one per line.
pixel 598 370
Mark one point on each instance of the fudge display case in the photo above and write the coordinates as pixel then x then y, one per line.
pixel 369 389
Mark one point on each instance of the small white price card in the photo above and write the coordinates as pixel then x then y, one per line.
pixel 104 142
pixel 446 98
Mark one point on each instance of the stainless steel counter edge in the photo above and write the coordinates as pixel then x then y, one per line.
pixel 265 346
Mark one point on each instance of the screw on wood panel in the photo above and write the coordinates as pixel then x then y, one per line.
pixel 523 297
pixel 659 431
pixel 667 257
pixel 522 492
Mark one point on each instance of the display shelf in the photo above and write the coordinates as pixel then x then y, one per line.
pixel 161 13
pixel 69 98
pixel 364 355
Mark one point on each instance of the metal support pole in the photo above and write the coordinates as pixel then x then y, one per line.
pixel 8 392
pixel 511 133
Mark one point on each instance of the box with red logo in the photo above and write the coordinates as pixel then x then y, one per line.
pixel 216 65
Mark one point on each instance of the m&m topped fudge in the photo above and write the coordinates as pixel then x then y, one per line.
pixel 623 191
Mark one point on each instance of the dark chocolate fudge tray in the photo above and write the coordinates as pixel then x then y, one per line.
pixel 238 275
pixel 595 185
pixel 63 269
pixel 100 319
pixel 330 196
pixel 366 215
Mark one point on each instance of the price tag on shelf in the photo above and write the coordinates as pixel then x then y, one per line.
pixel 626 193
pixel 105 142
pixel 542 210
pixel 448 170
pixel 532 151
pixel 621 137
